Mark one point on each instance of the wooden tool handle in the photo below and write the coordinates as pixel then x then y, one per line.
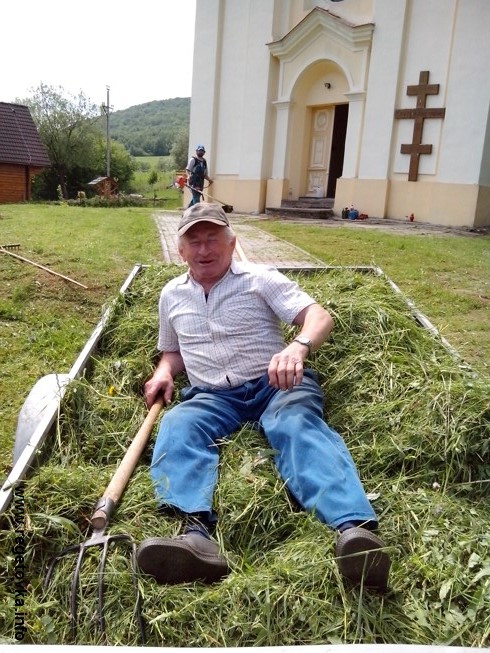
pixel 41 267
pixel 107 503
pixel 240 252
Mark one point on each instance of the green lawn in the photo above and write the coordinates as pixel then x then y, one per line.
pixel 45 320
pixel 165 176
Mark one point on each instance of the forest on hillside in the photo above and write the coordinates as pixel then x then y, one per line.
pixel 151 129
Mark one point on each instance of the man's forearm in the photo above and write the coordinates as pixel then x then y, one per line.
pixel 316 324
pixel 170 364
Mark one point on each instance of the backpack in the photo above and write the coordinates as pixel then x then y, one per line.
pixel 198 172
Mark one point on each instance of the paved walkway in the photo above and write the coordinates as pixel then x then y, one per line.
pixel 253 244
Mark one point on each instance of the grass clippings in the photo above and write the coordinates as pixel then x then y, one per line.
pixel 416 421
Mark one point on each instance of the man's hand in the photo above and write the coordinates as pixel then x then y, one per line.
pixel 286 367
pixel 162 381
pixel 158 385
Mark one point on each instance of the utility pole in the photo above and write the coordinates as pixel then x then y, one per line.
pixel 106 108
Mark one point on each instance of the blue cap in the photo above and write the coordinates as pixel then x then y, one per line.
pixel 200 147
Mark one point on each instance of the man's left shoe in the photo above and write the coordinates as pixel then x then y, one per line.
pixel 361 559
pixel 182 559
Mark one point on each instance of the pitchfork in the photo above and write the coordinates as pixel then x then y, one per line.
pixel 103 511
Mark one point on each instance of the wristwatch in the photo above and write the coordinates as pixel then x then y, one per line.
pixel 303 340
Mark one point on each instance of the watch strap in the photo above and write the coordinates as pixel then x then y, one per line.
pixel 304 341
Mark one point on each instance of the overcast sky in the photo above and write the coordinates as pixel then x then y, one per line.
pixel 142 50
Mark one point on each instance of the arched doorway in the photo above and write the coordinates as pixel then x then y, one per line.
pixel 317 130
pixel 326 150
pixel 322 65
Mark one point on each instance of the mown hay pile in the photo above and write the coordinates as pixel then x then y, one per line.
pixel 417 425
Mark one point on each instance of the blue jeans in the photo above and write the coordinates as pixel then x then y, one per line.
pixel 311 458
pixel 196 197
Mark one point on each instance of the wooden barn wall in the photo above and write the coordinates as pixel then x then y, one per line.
pixel 15 182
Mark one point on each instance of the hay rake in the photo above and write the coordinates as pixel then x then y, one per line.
pixel 103 511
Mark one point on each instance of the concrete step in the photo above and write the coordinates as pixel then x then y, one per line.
pixel 299 212
pixel 310 203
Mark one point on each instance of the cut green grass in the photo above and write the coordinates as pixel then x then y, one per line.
pixel 415 420
pixel 417 423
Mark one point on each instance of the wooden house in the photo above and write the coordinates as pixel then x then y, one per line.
pixel 22 153
pixel 104 186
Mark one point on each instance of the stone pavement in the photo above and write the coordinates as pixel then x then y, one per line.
pixel 253 244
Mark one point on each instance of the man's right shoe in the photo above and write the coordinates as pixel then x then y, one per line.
pixel 362 560
pixel 182 559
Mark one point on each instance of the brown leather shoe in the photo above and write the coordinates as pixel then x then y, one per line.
pixel 361 559
pixel 183 559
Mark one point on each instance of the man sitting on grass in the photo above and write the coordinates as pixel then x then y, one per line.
pixel 220 322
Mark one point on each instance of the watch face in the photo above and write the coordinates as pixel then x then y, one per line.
pixel 303 340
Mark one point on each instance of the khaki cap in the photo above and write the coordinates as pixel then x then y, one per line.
pixel 202 212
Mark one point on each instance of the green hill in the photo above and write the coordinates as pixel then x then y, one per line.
pixel 150 129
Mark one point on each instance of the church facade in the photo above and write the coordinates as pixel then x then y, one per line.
pixel 379 104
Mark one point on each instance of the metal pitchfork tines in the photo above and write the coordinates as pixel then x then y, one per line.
pixel 103 511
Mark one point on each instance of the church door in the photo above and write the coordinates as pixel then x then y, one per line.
pixel 319 154
pixel 326 152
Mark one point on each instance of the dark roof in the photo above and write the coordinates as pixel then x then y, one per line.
pixel 19 140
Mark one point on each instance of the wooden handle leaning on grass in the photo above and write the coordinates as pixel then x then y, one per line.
pixel 107 503
pixel 41 267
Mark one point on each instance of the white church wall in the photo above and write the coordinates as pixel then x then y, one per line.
pixel 361 9
pixel 468 98
pixel 254 102
pixel 205 78
pixel 381 97
pixel 230 96
pixel 428 37
pixel 231 90
pixel 255 83
pixel 436 38
pixel 484 179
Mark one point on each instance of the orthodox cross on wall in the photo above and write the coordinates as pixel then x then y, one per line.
pixel 418 115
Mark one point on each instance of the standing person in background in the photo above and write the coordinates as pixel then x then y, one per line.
pixel 197 172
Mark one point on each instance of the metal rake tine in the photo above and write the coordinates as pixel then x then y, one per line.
pixel 122 537
pixel 74 580
pixel 137 595
pixel 54 561
pixel 100 574
pixel 73 592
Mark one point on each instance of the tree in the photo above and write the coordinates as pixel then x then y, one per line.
pixel 71 131
pixel 66 127
pixel 180 149
pixel 152 180
pixel 122 164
